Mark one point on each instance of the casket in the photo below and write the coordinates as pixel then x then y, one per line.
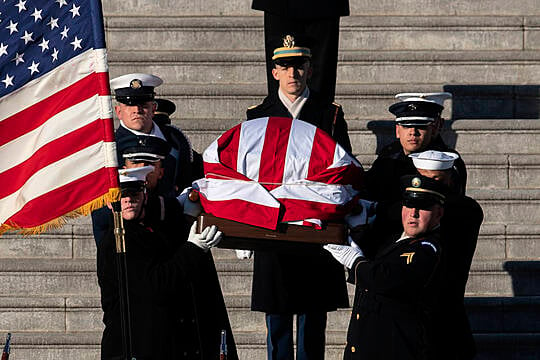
pixel 242 236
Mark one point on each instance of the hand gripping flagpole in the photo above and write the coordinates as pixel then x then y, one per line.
pixel 121 269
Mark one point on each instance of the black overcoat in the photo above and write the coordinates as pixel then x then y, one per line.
pixel 304 278
pixel 394 297
pixel 177 308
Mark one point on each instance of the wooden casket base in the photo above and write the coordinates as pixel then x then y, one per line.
pixel 242 236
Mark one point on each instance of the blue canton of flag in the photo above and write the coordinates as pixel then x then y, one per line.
pixel 37 36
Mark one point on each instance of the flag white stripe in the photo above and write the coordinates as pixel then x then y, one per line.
pixel 342 158
pixel 250 146
pixel 224 190
pixel 56 127
pixel 298 150
pixel 317 192
pixel 52 177
pixel 211 155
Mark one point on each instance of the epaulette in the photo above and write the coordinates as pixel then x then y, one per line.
pixel 336 104
pixel 252 107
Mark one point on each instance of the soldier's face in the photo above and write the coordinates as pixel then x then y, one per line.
pixel 137 117
pixel 132 204
pixel 418 221
pixel 414 138
pixel 292 79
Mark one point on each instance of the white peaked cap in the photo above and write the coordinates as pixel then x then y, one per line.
pixel 434 160
pixel 436 97
pixel 124 81
pixel 135 174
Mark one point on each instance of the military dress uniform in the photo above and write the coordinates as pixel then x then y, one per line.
pixel 395 293
pixel 317 18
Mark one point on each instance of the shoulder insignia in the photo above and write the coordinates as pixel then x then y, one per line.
pixel 336 104
pixel 409 256
pixel 429 244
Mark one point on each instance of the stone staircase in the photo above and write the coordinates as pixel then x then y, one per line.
pixel 210 55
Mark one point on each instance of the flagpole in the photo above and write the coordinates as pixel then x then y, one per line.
pixel 121 267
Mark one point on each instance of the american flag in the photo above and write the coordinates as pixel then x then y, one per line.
pixel 57 154
pixel 270 170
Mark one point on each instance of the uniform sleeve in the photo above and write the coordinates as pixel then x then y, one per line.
pixel 403 272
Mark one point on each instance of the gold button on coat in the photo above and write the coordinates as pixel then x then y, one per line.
pixel 353 349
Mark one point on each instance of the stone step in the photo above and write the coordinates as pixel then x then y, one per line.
pixel 496 241
pixel 477 137
pixel 478 33
pixel 68 277
pixel 79 314
pixel 85 346
pixel 373 8
pixel 354 66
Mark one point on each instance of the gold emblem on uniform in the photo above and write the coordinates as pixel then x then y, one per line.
pixel 416 182
pixel 288 41
pixel 135 84
pixel 412 107
pixel 409 257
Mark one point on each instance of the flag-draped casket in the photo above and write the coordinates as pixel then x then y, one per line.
pixel 271 170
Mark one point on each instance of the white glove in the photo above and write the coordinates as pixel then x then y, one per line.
pixel 366 216
pixel 344 254
pixel 191 208
pixel 208 238
pixel 244 254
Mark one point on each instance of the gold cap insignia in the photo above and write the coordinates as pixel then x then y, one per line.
pixel 416 182
pixel 135 84
pixel 288 41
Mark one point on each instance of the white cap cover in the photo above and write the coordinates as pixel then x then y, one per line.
pixel 434 160
pixel 436 97
pixel 135 174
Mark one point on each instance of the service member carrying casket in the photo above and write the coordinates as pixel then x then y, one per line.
pixel 396 289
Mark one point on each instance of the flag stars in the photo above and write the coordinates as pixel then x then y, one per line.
pixel 21 5
pixel 27 37
pixel 37 15
pixel 33 68
pixel 53 23
pixel 54 55
pixel 75 11
pixel 3 49
pixel 44 45
pixel 64 32
pixel 18 58
pixel 61 3
pixel 12 27
pixel 76 43
pixel 8 81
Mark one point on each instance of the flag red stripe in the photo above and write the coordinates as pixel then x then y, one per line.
pixel 322 153
pixel 228 147
pixel 61 201
pixel 60 148
pixel 37 114
pixel 274 151
pixel 213 169
pixel 342 175
pixel 243 211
